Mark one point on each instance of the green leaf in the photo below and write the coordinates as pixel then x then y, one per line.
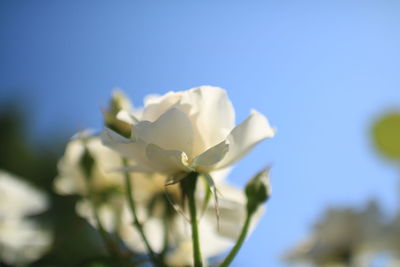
pixel 386 135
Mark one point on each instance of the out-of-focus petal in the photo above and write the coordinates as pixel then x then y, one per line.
pixel 22 241
pixel 245 136
pixel 182 255
pixel 18 198
pixel 71 178
pixel 232 208
pixel 107 214
pixel 153 230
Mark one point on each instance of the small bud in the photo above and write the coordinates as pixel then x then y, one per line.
pixel 118 103
pixel 258 190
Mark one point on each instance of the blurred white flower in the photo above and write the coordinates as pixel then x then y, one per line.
pixel 187 131
pixel 18 199
pixel 72 179
pixel 154 211
pixel 213 239
pixel 21 240
pixel 106 187
pixel 392 239
pixel 343 237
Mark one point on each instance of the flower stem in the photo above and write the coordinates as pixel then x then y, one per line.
pixel 228 260
pixel 103 232
pixel 107 240
pixel 188 187
pixel 136 221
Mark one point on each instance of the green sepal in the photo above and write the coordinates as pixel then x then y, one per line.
pixel 87 162
pixel 214 192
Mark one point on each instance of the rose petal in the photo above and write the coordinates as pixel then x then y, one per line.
pixel 245 136
pixel 135 150
pixel 205 161
pixel 212 113
pixel 167 161
pixel 155 106
pixel 171 131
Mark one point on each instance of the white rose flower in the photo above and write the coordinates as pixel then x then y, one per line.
pixel 187 131
pixel 21 240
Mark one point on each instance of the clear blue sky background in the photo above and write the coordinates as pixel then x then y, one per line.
pixel 322 71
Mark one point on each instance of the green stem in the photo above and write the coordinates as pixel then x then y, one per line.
pixel 102 231
pixel 188 187
pixel 195 232
pixel 136 221
pixel 228 260
pixel 109 243
pixel 165 237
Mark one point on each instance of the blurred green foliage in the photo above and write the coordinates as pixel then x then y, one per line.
pixel 386 135
pixel 76 243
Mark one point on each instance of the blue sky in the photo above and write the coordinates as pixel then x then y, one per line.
pixel 321 71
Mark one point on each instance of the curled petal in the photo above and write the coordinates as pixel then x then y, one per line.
pixel 205 161
pixel 245 136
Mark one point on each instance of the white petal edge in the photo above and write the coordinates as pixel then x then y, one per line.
pixel 245 136
pixel 205 161
pixel 131 149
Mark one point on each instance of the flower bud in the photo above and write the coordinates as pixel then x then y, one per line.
pixel 118 103
pixel 258 190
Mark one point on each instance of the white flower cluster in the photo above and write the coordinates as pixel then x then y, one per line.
pixel 155 148
pixel 350 237
pixel 21 239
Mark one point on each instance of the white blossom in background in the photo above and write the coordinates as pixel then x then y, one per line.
pixel 71 177
pixel 146 187
pixel 187 131
pixel 391 236
pixel 21 239
pixel 213 239
pixel 106 186
pixel 150 187
pixel 343 237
